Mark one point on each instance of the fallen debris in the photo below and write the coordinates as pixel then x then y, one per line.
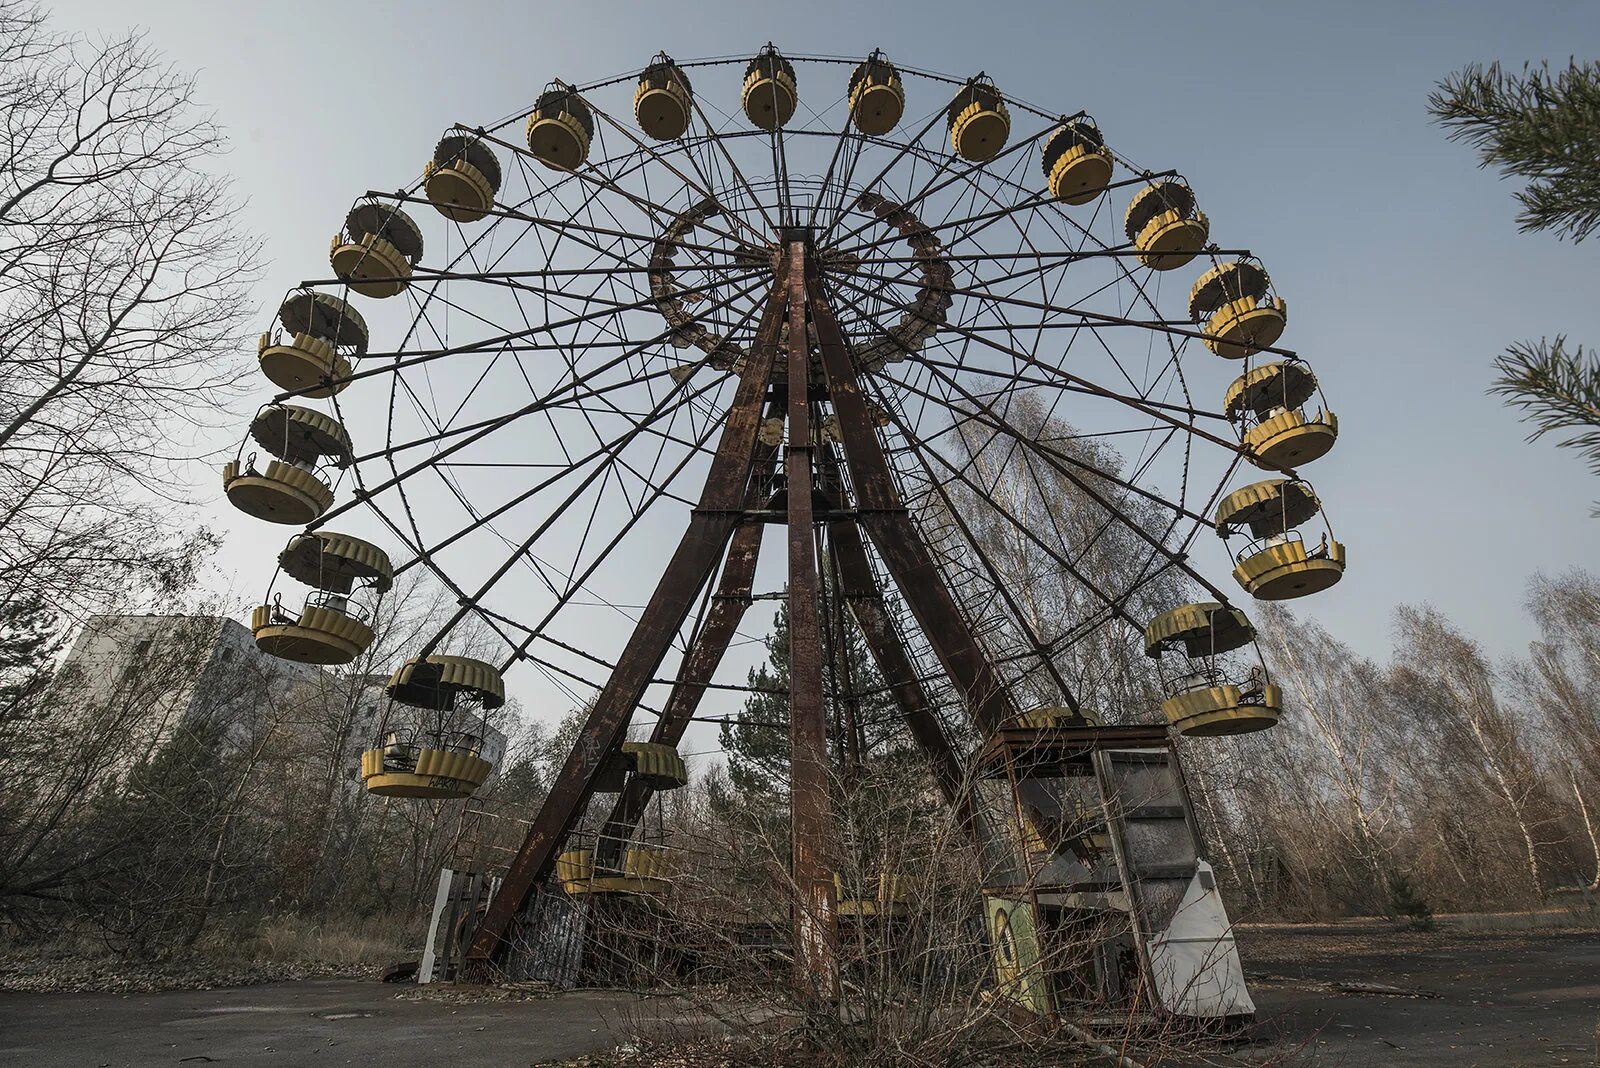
pixel 1383 989
pixel 55 972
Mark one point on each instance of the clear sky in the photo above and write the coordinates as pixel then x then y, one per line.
pixel 1303 126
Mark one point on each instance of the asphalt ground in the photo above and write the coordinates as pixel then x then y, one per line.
pixel 1362 995
pixel 1350 995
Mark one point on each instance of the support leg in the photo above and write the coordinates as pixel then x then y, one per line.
pixel 860 591
pixel 810 813
pixel 895 536
pixel 703 544
pixel 728 606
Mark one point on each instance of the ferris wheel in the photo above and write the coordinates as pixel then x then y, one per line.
pixel 558 370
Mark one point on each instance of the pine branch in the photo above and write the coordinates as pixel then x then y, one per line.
pixel 1540 125
pixel 1557 391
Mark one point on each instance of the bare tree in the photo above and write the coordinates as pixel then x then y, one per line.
pixel 72 750
pixel 1063 548
pixel 123 290
pixel 1336 746
pixel 1448 690
pixel 1561 679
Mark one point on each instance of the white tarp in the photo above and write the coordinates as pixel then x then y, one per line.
pixel 1196 964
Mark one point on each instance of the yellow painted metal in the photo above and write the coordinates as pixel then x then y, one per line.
pixel 1286 570
pixel 644 871
pixel 769 98
pixel 377 248
pixel 325 316
pixel 436 682
pixel 1018 968
pixel 283 493
pixel 439 773
pixel 1225 283
pixel 319 636
pixel 663 104
pixel 462 178
pixel 1203 629
pixel 370 265
pixel 877 99
pixel 980 131
pixel 1290 439
pixel 1244 327
pixel 558 141
pixel 305 364
pixel 292 432
pixel 1244 317
pixel 1165 226
pixel 1222 710
pixel 1076 162
pixel 335 562
pixel 1169 240
pixel 386 219
pixel 1281 384
pixel 1271 506
pixel 458 190
pixel 655 763
pixel 891 898
pixel 1080 174
pixel 1046 717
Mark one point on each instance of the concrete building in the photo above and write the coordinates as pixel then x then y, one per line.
pixel 141 678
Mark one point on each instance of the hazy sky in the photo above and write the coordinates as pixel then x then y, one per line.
pixel 1303 127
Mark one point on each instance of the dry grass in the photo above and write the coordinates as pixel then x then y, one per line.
pixel 369 941
pixel 239 954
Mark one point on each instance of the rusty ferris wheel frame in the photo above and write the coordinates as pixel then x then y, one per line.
pixel 652 302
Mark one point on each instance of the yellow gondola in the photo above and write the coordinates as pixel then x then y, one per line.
pixel 294 488
pixel 1206 698
pixel 889 899
pixel 1165 225
pixel 1077 163
pixel 463 177
pixel 644 870
pixel 978 120
pixel 877 99
pixel 769 95
pixel 332 627
pixel 377 249
pixel 1267 404
pixel 1276 565
pixel 438 755
pixel 1242 315
pixel 324 333
pixel 663 103
pixel 1213 708
pixel 653 763
pixel 560 129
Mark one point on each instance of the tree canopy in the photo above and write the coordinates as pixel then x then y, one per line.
pixel 1541 126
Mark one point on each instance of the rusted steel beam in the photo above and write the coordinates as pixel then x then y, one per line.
pixel 860 590
pixel 895 536
pixel 728 606
pixel 810 815
pixel 704 542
